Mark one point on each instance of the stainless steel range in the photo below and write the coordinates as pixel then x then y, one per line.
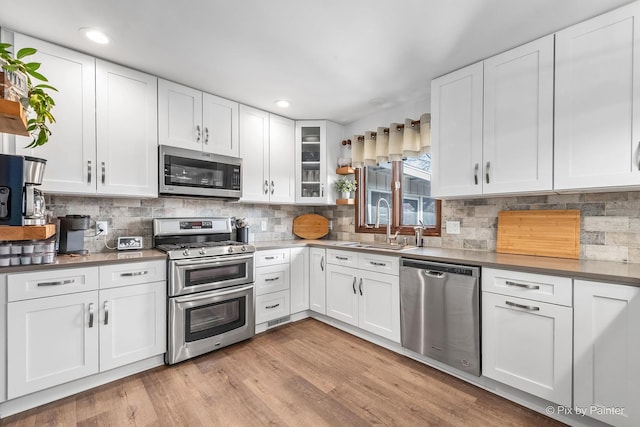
pixel 210 285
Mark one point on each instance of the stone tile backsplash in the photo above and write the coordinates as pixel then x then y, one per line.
pixel 610 222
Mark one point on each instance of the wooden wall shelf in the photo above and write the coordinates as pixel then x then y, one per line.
pixel 345 170
pixel 345 201
pixel 12 118
pixel 27 232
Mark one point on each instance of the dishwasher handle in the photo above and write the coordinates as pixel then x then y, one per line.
pixel 434 274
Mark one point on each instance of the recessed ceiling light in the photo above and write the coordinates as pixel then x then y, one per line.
pixel 283 103
pixel 95 36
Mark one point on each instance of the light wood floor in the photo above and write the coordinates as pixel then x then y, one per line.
pixel 301 374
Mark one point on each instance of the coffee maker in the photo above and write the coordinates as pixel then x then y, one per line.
pixel 21 203
pixel 70 237
pixel 34 207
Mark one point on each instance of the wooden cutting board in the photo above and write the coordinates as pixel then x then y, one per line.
pixel 310 226
pixel 545 233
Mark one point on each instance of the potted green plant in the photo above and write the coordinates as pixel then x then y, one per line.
pixel 345 186
pixel 38 101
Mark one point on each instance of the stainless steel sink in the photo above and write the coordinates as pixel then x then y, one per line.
pixel 374 246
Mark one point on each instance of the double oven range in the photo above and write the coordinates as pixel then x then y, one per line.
pixel 211 295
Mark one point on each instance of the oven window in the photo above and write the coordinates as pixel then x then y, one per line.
pixel 215 319
pixel 215 274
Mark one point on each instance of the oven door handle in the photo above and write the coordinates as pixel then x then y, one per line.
pixel 190 264
pixel 209 295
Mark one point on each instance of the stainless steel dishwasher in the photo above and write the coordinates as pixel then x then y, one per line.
pixel 440 312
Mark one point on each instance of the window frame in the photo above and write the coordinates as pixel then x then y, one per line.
pixel 396 213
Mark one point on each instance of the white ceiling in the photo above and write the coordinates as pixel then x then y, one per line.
pixel 331 58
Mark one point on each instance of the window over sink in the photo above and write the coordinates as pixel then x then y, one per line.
pixel 406 186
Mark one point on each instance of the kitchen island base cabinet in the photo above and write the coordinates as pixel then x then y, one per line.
pixel 606 351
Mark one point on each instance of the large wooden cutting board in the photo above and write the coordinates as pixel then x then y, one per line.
pixel 310 226
pixel 541 232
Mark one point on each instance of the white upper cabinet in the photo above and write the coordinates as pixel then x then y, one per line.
pixel 105 137
pixel 456 133
pixel 492 124
pixel 597 112
pixel 127 131
pixel 189 118
pixel 71 150
pixel 517 146
pixel 267 151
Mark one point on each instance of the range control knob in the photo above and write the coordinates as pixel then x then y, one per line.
pixel 185 252
pixel 202 251
pixel 243 248
pixel 231 250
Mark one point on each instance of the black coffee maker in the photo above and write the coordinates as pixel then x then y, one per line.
pixel 70 235
pixel 11 185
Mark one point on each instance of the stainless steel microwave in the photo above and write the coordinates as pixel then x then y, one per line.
pixel 196 173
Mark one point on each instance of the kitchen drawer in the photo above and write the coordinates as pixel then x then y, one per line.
pixel 132 273
pixel 272 306
pixel 346 258
pixel 380 263
pixel 272 278
pixel 537 287
pixel 272 257
pixel 47 283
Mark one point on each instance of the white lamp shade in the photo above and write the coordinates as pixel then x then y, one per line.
pixel 357 151
pixel 395 142
pixel 382 145
pixel 370 148
pixel 410 139
pixel 425 133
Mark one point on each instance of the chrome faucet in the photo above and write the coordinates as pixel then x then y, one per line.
pixel 389 238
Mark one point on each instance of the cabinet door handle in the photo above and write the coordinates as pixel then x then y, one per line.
pixel 272 279
pixel 106 312
pixel 104 173
pixel 206 135
pixel 269 307
pixel 342 258
pixel 91 315
pixel 524 307
pixel 379 264
pixel 354 285
pixel 89 171
pixel 273 187
pixel 475 174
pixel 486 171
pixel 360 286
pixel 322 263
pixel 198 134
pixel 321 190
pixel 266 187
pixel 521 285
pixel 60 282
pixel 135 273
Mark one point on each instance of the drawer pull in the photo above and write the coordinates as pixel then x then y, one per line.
pixel 380 264
pixel 521 285
pixel 342 258
pixel 91 315
pixel 135 273
pixel 524 307
pixel 106 312
pixel 272 279
pixel 269 307
pixel 61 282
pixel 269 257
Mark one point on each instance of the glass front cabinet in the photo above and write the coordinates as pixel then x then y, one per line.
pixel 317 149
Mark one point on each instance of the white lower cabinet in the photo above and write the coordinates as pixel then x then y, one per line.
pixel 56 334
pixel 299 282
pixel 272 285
pixel 364 298
pixel 527 343
pixel 606 349
pixel 317 280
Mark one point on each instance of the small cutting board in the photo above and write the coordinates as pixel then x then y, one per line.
pixel 310 226
pixel 541 232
